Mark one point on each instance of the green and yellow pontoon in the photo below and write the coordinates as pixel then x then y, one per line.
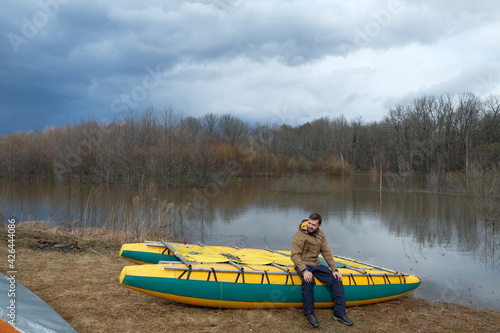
pixel 225 277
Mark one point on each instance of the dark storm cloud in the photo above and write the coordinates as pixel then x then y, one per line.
pixel 284 61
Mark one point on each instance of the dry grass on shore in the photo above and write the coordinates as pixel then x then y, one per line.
pixel 82 285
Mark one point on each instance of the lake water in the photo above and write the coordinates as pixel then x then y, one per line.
pixel 434 236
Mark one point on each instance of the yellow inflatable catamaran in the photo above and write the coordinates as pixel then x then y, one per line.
pixel 228 277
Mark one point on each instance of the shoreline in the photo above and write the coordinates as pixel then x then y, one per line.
pixel 80 281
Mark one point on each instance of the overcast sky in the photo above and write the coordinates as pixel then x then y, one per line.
pixel 288 61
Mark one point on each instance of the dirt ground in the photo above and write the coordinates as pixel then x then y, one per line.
pixel 78 277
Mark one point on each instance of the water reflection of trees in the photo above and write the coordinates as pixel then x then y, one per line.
pixel 431 220
pixel 436 220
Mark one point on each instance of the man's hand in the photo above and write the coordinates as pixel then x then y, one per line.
pixel 308 276
pixel 337 275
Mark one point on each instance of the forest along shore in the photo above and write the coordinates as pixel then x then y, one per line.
pixel 76 272
pixel 437 135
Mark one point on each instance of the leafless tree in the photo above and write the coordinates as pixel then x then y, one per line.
pixel 209 124
pixel 468 110
pixel 232 129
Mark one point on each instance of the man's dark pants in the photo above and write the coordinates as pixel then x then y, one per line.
pixel 324 274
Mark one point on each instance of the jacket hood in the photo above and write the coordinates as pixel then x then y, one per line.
pixel 303 225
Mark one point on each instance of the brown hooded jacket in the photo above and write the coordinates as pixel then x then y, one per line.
pixel 306 247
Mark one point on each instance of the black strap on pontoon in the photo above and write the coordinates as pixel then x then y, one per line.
pixel 353 279
pixel 267 278
pixel 241 273
pixel 215 275
pixel 180 276
pixel 289 275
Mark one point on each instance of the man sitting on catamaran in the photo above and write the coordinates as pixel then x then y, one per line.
pixel 307 244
